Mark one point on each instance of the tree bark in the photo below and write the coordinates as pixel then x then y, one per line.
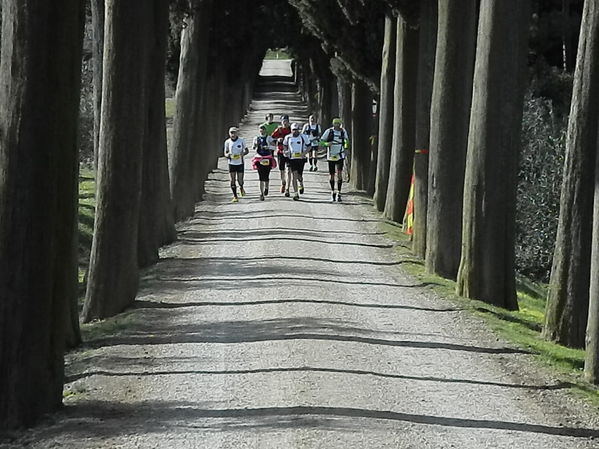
pixel 360 130
pixel 385 134
pixel 587 87
pixel 188 98
pixel 450 117
pixel 97 7
pixel 487 269
pixel 568 298
pixel 40 75
pixel 156 223
pixel 113 271
pixel 404 121
pixel 344 104
pixel 424 91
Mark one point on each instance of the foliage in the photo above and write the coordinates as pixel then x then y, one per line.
pixel 86 101
pixel 87 210
pixel 539 182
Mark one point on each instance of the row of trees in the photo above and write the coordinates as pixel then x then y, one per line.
pixel 450 94
pixel 449 82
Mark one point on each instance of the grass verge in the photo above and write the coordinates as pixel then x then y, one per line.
pixel 522 327
pixel 87 211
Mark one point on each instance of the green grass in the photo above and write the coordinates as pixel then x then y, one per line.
pixel 277 53
pixel 522 327
pixel 169 108
pixel 87 210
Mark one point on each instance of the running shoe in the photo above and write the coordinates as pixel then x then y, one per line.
pixel 235 200
pixel 333 197
pixel 301 190
pixel 311 168
pixel 265 192
pixel 287 193
pixel 282 188
pixel 315 168
pixel 338 197
pixel 242 191
pixel 261 197
pixel 295 197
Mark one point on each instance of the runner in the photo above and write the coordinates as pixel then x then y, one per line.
pixel 270 124
pixel 279 134
pixel 296 147
pixel 235 149
pixel 263 161
pixel 336 140
pixel 313 131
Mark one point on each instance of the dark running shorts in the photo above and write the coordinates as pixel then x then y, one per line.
pixel 335 166
pixel 235 168
pixel 297 165
pixel 283 161
pixel 264 172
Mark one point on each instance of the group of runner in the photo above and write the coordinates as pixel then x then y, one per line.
pixel 293 146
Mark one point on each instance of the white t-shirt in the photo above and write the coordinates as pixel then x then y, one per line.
pixel 313 133
pixel 335 151
pixel 296 146
pixel 235 149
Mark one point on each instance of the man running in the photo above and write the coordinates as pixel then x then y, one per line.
pixel 234 151
pixel 313 131
pixel 270 124
pixel 336 140
pixel 296 146
pixel 263 161
pixel 279 135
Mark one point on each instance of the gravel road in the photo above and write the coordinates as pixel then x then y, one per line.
pixel 283 324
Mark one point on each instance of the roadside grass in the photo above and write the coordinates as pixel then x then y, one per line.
pixel 87 211
pixel 277 53
pixel 169 108
pixel 522 327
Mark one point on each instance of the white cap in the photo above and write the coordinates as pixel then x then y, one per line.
pixel 294 127
pixel 233 129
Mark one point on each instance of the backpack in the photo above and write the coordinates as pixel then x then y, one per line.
pixel 313 132
pixel 331 135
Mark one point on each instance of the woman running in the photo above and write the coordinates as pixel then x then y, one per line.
pixel 263 161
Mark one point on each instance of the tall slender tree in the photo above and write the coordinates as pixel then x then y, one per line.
pixel 568 298
pixel 188 98
pixel 113 271
pixel 360 133
pixel 450 117
pixel 404 121
pixel 39 93
pixel 385 134
pixel 97 9
pixel 487 269
pixel 156 221
pixel 426 66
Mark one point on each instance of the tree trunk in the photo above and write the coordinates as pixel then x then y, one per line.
pixel 404 121
pixel 424 91
pixel 40 75
pixel 97 7
pixel 156 223
pixel 113 270
pixel 568 298
pixel 186 120
pixel 360 130
pixel 486 269
pixel 450 117
pixel 344 104
pixel 385 134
